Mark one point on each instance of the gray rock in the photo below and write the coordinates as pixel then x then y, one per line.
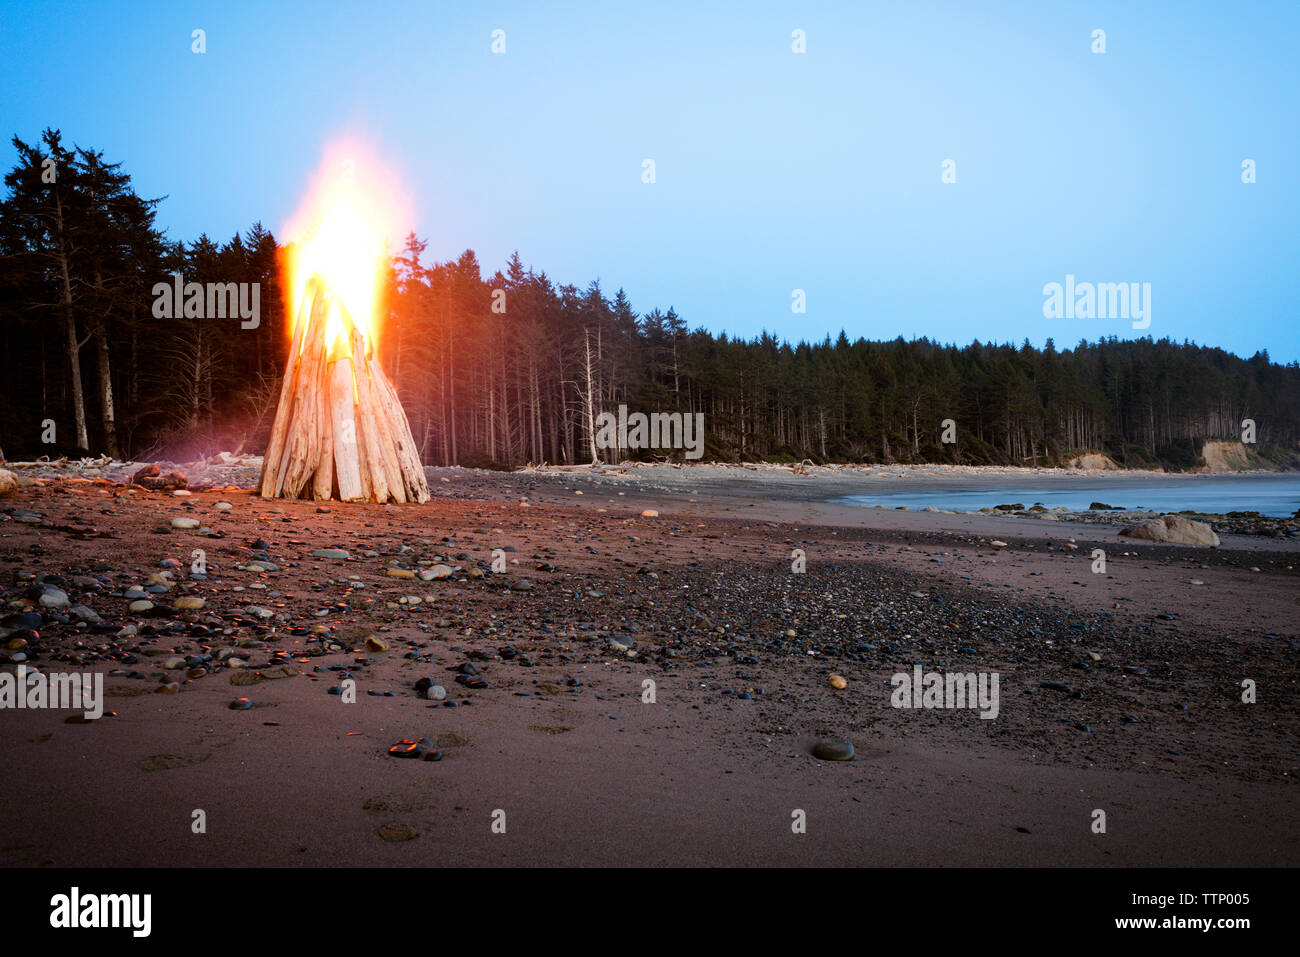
pixel 54 598
pixel 82 613
pixel 1175 529
pixel 436 573
pixel 331 553
pixel 834 749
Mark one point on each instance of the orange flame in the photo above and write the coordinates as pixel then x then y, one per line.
pixel 342 233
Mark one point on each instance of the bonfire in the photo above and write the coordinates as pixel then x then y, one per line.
pixel 340 431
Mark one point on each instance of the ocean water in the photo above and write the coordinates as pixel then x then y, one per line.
pixel 1273 494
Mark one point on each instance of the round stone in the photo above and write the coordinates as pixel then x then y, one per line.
pixel 240 704
pixel 331 553
pixel 834 749
pixel 436 573
pixel 54 598
pixel 838 683
pixel 185 523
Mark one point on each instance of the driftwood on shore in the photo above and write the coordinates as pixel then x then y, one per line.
pixel 340 431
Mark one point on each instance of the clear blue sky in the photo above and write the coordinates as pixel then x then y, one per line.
pixel 775 171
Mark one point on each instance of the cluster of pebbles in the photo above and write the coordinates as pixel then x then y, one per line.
pixel 1234 523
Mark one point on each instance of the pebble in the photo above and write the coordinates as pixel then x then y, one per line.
pixel 185 523
pixel 54 598
pixel 649 513
pixel 142 605
pixel 435 692
pixel 223 506
pixel 189 603
pixel 834 749
pixel 331 553
pixel 392 572
pixel 436 573
pixel 838 683
pixel 240 704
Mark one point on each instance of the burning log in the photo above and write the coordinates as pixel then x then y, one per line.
pixel 339 430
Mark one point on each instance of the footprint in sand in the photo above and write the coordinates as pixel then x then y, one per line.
pixel 387 805
pixel 549 729
pixel 165 762
pixel 397 832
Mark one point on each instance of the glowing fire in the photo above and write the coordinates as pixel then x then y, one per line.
pixel 342 233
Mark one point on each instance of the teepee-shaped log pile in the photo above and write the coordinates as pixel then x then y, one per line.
pixel 339 431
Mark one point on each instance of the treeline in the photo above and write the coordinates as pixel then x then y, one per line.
pixel 510 368
pixel 87 366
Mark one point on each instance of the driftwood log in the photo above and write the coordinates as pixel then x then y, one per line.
pixel 339 431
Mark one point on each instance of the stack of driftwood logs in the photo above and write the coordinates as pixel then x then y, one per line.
pixel 339 431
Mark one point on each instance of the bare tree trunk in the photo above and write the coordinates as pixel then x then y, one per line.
pixel 589 412
pixel 70 327
pixel 106 392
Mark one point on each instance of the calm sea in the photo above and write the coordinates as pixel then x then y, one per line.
pixel 1270 494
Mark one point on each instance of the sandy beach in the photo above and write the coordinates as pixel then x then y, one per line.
pixel 1119 691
